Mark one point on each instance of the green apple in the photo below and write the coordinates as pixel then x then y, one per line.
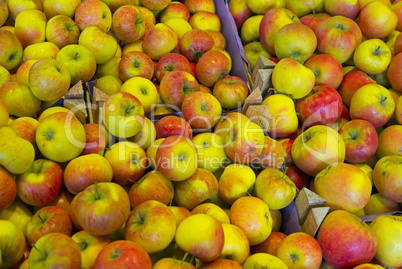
pixel 19 99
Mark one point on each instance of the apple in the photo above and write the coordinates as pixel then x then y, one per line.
pixel 253 51
pixel 300 250
pixel 199 187
pixel 72 214
pixel 109 68
pixel 4 12
pixel 152 186
pixel 90 246
pixel 274 188
pixel 394 73
pixel 143 89
pixel 221 263
pixel 322 106
pixel 49 79
pixel 301 8
pixel 7 195
pixel 374 103
pixel 245 142
pixel 128 23
pixel 172 125
pixel 102 45
pixel 353 193
pixel 313 20
pixel 236 246
pixel 171 62
pixel 292 78
pixel 351 82
pixel 231 92
pixel 124 115
pixel 212 67
pixel 387 177
pixel 195 43
pixel 49 219
pixel 62 200
pixel 176 158
pixel 273 154
pixel 345 240
pixel 296 41
pixel 177 85
pixel 39 51
pixel 11 50
pixel 389 141
pixel 201 110
pixel 93 13
pixel 180 213
pixel 55 250
pixel 109 84
pixel 396 8
pixel 12 244
pixel 41 183
pixel 62 31
pixel 102 208
pixel 372 56
pixel 174 10
pixel 206 21
pixel 61 131
pixel 360 139
pixel 225 125
pixel 5 76
pixel 378 204
pixel 86 170
pixel 270 245
pixel 30 27
pixel 249 31
pixel 284 120
pixel 123 254
pixel 160 41
pixel 287 144
pixel 252 215
pixel 387 253
pixel 338 36
pixel 316 148
pixel 212 210
pixel 22 73
pixel 96 138
pixel 128 162
pixel 152 225
pixel 202 236
pixel 171 263
pixel 53 8
pixel 19 99
pixel 211 153
pixel 347 8
pixel 179 26
pixel 327 70
pixel 239 11
pixel 376 20
pixel 195 6
pixel 263 260
pixel 272 21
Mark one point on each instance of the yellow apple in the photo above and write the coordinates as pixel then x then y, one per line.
pixel 136 46
pixel 144 90
pixel 10 50
pixel 180 26
pixel 378 204
pixel 146 136
pixel 236 246
pixel 151 152
pixel 109 68
pixel 263 6
pixel 264 260
pixel 366 169
pixel 212 210
pixel 250 30
pixel 39 51
pixel 211 153
pixel 109 84
pixel 4 115
pixel 30 27
pixel 22 74
pixel 19 214
pixel 52 110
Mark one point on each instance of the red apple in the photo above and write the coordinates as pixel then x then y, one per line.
pixel 135 64
pixel 195 43
pixel 212 67
pixel 376 20
pixel 327 70
pixel 62 31
pixel 395 72
pixel 128 23
pixel 123 254
pixel 351 82
pixel 398 41
pixel 201 110
pixel 172 125
pixel 93 13
pixel 338 36
pixel 240 11
pixel 345 240
pixel 176 85
pixel 174 10
pixel 96 138
pixel 160 41
pixel 313 20
pixel 272 155
pixel 346 8
pixel 8 194
pixel 361 140
pixel 299 178
pixel 270 245
pixel 41 183
pixel 322 106
pixel 102 208
pixel 62 200
pixel 300 249
pixel 171 62
pixel 49 219
pixel 86 170
pixel 287 146
pixel 396 7
pixel 231 92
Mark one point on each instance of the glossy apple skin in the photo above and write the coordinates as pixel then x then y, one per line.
pixel 345 241
pixel 299 178
pixel 171 62
pixel 195 43
pixel 327 70
pixel 41 183
pixel 128 23
pixel 347 8
pixel 8 194
pixel 123 254
pixel 395 72
pixel 361 140
pixel 322 106
pixel 172 125
pixel 313 20
pixel 387 177
pixel 96 138
pixel 49 219
pixel 231 92
pixel 337 42
pixel 212 67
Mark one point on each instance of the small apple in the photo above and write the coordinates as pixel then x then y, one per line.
pixel 347 8
pixel 376 20
pixel 372 56
pixel 327 70
pixel 90 247
pixel 172 125
pixel 212 67
pixel 93 13
pixel 351 82
pixel 62 31
pixel 128 23
pixel 231 92
pixel 19 99
pixel 12 244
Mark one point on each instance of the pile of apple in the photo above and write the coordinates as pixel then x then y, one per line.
pixel 198 191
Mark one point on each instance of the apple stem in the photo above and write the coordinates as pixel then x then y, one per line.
pixel 136 216
pixel 40 218
pixel 69 28
pixel 293 17
pixel 131 180
pixel 184 258
pixel 192 259
pixel 313 11
pixel 96 190
pixel 363 221
pixel 171 202
pixel 248 193
pixel 377 50
pixel 284 172
pixel 38 250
